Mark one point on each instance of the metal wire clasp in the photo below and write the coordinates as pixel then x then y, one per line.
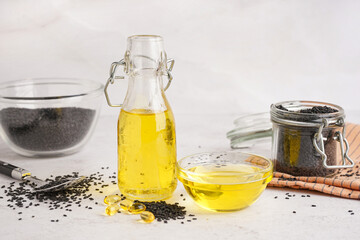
pixel 168 70
pixel 339 136
pixel 111 79
pixel 122 62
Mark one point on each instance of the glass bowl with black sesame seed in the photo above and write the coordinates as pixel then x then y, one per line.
pixel 224 181
pixel 48 117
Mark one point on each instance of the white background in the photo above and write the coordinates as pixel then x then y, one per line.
pixel 231 56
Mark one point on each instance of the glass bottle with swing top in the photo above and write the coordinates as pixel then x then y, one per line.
pixel 146 127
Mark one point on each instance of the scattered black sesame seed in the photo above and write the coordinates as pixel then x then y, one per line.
pixel 21 194
pixel 313 205
pixel 294 211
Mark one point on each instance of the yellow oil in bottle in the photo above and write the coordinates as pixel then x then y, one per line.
pixel 146 155
pixel 226 188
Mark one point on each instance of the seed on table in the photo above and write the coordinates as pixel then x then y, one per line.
pixel 112 209
pixel 137 208
pixel 147 216
pixel 109 200
pixel 126 204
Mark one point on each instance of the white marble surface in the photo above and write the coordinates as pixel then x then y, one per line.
pixel 268 218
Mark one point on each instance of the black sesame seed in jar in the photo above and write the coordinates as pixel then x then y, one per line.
pixel 296 125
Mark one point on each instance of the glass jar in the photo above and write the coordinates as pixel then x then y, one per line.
pixel 308 144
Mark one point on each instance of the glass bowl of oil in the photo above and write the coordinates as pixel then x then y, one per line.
pixel 224 181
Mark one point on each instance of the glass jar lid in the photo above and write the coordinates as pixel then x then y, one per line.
pixel 250 129
pixel 306 113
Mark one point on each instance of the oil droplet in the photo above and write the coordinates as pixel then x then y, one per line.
pixel 137 208
pixel 147 216
pixel 126 204
pixel 112 209
pixel 109 200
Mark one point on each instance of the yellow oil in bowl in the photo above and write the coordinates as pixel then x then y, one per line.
pixel 224 181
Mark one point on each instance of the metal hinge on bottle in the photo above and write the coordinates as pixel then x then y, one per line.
pixel 122 62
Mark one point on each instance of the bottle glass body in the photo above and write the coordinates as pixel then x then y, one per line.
pixel 146 127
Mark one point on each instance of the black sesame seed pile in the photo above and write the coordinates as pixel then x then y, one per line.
pixel 46 129
pixel 315 109
pixel 165 211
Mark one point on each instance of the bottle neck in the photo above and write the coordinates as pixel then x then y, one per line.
pixel 145 60
pixel 145 52
pixel 145 92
